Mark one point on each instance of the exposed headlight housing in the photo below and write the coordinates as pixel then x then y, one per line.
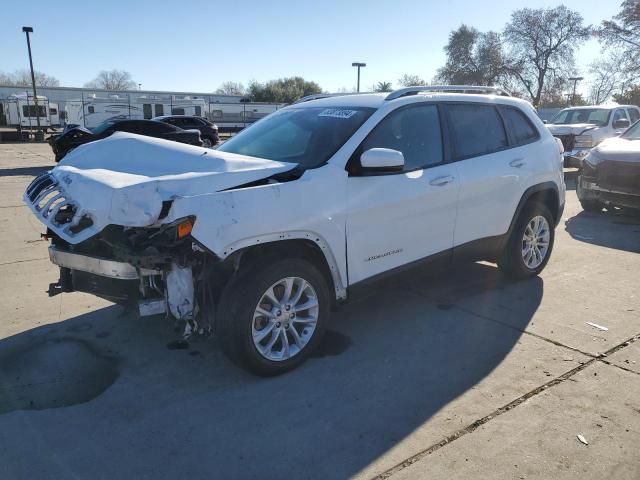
pixel 584 141
pixel 592 158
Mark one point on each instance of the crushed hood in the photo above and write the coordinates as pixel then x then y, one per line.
pixel 572 129
pixel 124 178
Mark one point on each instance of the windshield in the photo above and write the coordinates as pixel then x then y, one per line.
pixel 633 133
pixel 101 127
pixel 306 136
pixel 571 116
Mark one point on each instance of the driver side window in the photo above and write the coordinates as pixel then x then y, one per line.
pixel 414 131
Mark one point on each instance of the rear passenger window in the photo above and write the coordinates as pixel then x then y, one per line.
pixel 518 126
pixel 414 131
pixel 475 130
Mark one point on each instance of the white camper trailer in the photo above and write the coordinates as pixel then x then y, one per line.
pixel 231 117
pixel 92 110
pixel 19 111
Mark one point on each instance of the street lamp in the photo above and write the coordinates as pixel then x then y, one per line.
pixel 575 81
pixel 359 65
pixel 39 134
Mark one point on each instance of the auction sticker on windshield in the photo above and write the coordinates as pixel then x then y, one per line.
pixel 337 113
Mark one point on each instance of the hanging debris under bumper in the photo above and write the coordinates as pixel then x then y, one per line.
pixel 156 291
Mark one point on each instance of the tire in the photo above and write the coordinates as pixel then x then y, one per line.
pixel 513 261
pixel 592 206
pixel 207 142
pixel 239 323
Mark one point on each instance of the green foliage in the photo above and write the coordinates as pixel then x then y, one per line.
pixel 473 58
pixel 283 90
pixel 382 87
pixel 629 97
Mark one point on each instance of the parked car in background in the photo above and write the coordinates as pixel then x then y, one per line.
pixel 73 137
pixel 582 128
pixel 260 238
pixel 610 174
pixel 208 130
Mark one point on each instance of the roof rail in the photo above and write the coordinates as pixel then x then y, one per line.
pixel 403 92
pixel 318 96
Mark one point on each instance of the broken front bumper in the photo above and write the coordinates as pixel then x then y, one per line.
pixel 574 158
pixel 155 291
pixel 590 190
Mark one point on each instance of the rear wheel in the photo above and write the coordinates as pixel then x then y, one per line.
pixel 271 317
pixel 529 247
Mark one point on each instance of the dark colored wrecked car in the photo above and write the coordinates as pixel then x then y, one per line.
pixel 73 137
pixel 610 174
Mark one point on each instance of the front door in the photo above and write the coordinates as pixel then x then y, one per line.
pixel 397 218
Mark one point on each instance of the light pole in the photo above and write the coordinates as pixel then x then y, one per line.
pixel 575 81
pixel 39 134
pixel 359 65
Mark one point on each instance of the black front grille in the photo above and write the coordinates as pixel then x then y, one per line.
pixel 619 176
pixel 568 141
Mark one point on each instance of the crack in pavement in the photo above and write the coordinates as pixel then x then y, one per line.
pixel 23 261
pixel 509 406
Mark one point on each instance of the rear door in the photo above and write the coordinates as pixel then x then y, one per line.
pixel 492 174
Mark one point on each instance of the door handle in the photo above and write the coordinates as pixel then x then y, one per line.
pixel 441 181
pixel 518 162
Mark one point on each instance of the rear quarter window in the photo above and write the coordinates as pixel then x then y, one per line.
pixel 476 129
pixel 519 127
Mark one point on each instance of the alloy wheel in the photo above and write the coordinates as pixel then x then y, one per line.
pixel 285 319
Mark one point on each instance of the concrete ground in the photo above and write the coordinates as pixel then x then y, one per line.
pixel 436 375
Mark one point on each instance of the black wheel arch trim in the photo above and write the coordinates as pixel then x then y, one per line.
pixel 526 196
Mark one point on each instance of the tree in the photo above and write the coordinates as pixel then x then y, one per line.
pixel 473 58
pixel 628 97
pixel 606 78
pixel 407 80
pixel 283 90
pixel 231 88
pixel 622 34
pixel 542 43
pixel 22 78
pixel 112 80
pixel 382 87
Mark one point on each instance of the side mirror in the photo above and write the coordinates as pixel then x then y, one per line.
pixel 621 123
pixel 382 160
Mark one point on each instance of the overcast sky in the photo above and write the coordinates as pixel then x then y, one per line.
pixel 197 45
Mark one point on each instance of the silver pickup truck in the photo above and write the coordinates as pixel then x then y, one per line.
pixel 582 128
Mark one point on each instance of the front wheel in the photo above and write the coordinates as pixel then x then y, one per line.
pixel 529 247
pixel 271 317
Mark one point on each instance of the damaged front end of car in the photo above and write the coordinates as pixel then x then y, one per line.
pixel 156 270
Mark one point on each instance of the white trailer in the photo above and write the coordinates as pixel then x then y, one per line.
pixel 20 112
pixel 92 110
pixel 236 116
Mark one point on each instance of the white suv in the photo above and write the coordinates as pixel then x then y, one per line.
pixel 582 128
pixel 258 239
